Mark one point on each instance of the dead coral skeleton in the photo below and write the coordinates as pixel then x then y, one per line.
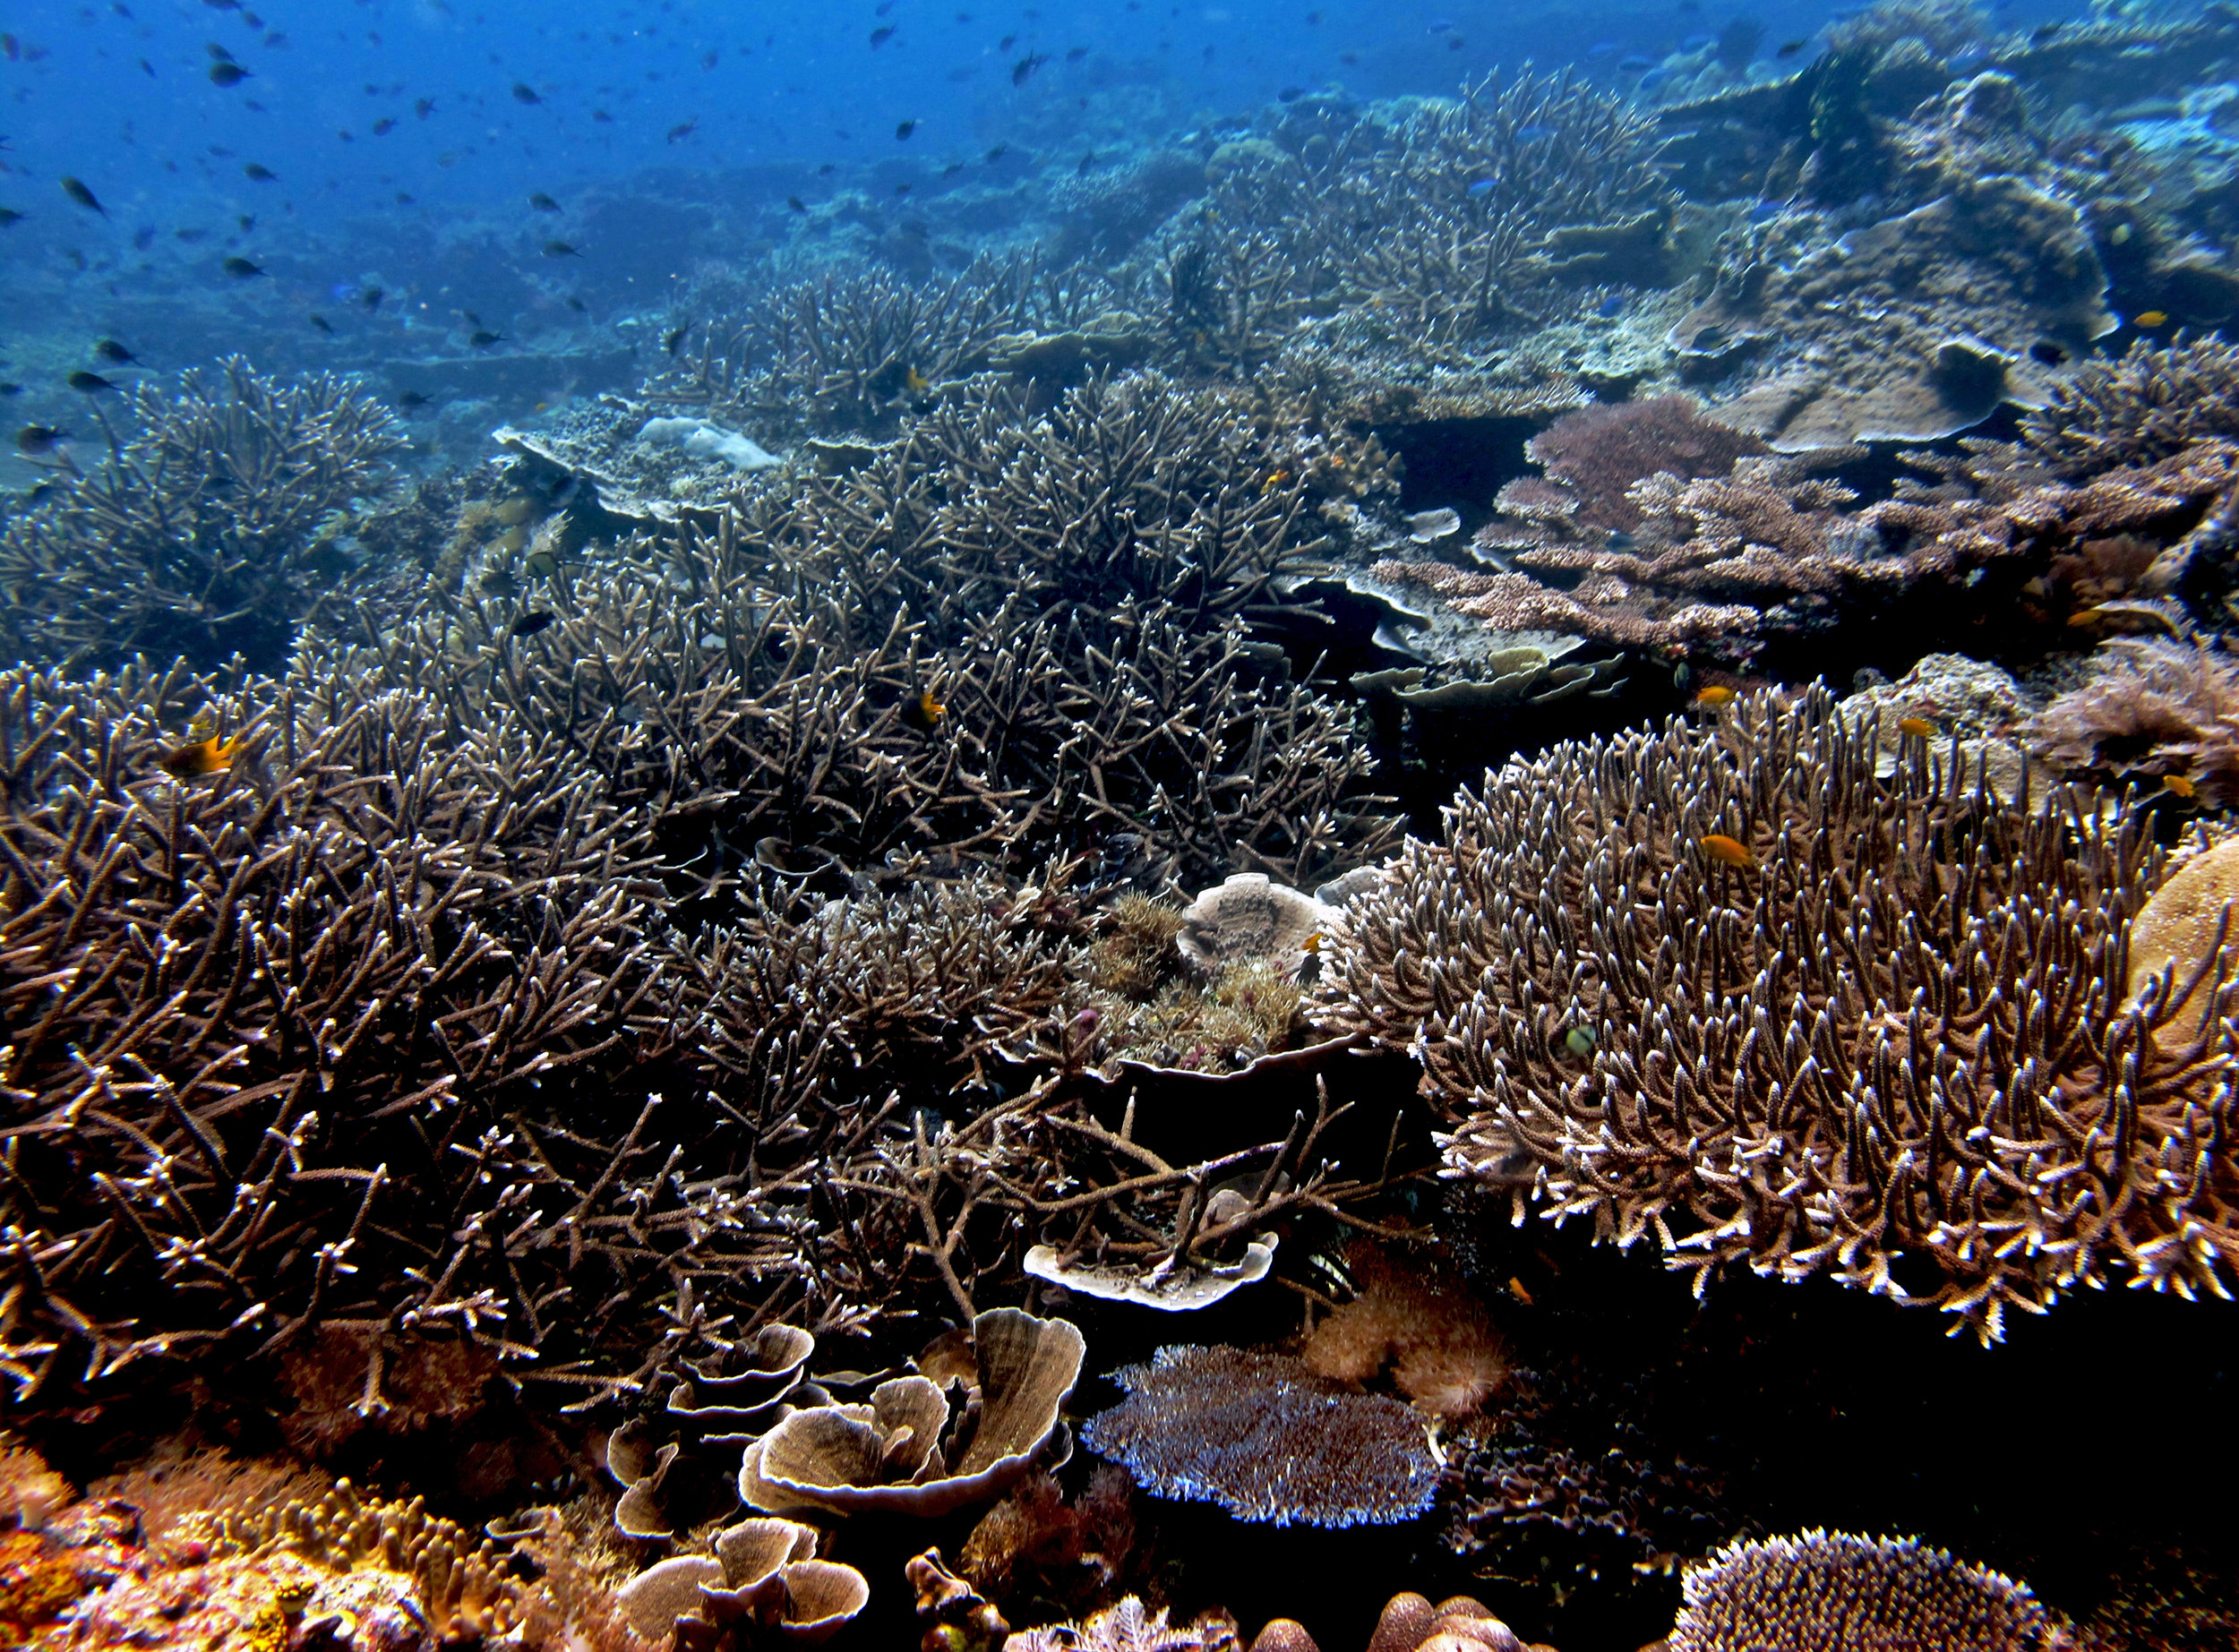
pixel 1894 1023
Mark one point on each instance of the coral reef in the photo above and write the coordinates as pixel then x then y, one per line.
pixel 1796 1594
pixel 1409 1313
pixel 1267 1439
pixel 199 534
pixel 763 1585
pixel 2150 404
pixel 2153 709
pixel 903 1450
pixel 1834 1037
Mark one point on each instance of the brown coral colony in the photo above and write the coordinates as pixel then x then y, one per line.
pixel 1048 949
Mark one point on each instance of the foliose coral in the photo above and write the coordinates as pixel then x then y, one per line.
pixel 1825 1023
pixel 1266 1438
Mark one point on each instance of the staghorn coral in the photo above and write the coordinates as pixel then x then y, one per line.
pixel 852 353
pixel 1856 1053
pixel 199 534
pixel 2152 708
pixel 1826 1589
pixel 2151 404
pixel 279 1036
pixel 1268 1439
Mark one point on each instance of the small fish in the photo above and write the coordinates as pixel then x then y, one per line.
pixel 257 172
pixel 882 35
pixel 423 107
pixel 9 386
pixel 109 350
pixel 916 383
pixel 923 713
pixel 89 383
pixel 1309 969
pixel 672 338
pixel 1087 161
pixel 1022 70
pixel 37 440
pixel 530 623
pixel 1006 43
pixel 482 339
pixel 1611 306
pixel 542 202
pixel 83 196
pixel 1919 728
pixel 2044 32
pixel 2178 785
pixel 559 249
pixel 541 564
pixel 902 129
pixel 320 322
pixel 241 268
pixel 1728 850
pixel 991 156
pixel 1579 1042
pixel 1482 188
pixel 682 130
pixel 524 93
pixel 228 74
pixel 370 297
pixel 797 204
pixel 1272 481
pixel 410 399
pixel 1789 48
pixel 384 126
pixel 1713 695
pixel 199 758
pixel 1075 54
pixel 1516 1289
pixel 2152 318
pixel 1619 540
pixel 9 217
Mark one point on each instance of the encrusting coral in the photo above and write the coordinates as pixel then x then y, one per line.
pixel 1720 987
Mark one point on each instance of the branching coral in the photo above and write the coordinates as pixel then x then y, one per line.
pixel 1877 1029
pixel 1267 1440
pixel 198 534
pixel 278 1034
pixel 1826 1589
pixel 2151 404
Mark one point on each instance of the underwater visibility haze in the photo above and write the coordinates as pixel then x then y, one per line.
pixel 1128 827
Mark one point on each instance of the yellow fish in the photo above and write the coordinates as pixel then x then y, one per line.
pixel 2178 785
pixel 1275 479
pixel 1918 726
pixel 2152 318
pixel 917 383
pixel 923 713
pixel 1714 695
pixel 1732 850
pixel 199 758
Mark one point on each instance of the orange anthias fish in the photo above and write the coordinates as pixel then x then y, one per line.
pixel 2179 785
pixel 201 758
pixel 1919 726
pixel 1715 695
pixel 1732 850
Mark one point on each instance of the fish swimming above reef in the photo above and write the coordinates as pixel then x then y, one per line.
pixel 38 440
pixel 241 269
pixel 923 713
pixel 83 196
pixel 227 73
pixel 198 758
